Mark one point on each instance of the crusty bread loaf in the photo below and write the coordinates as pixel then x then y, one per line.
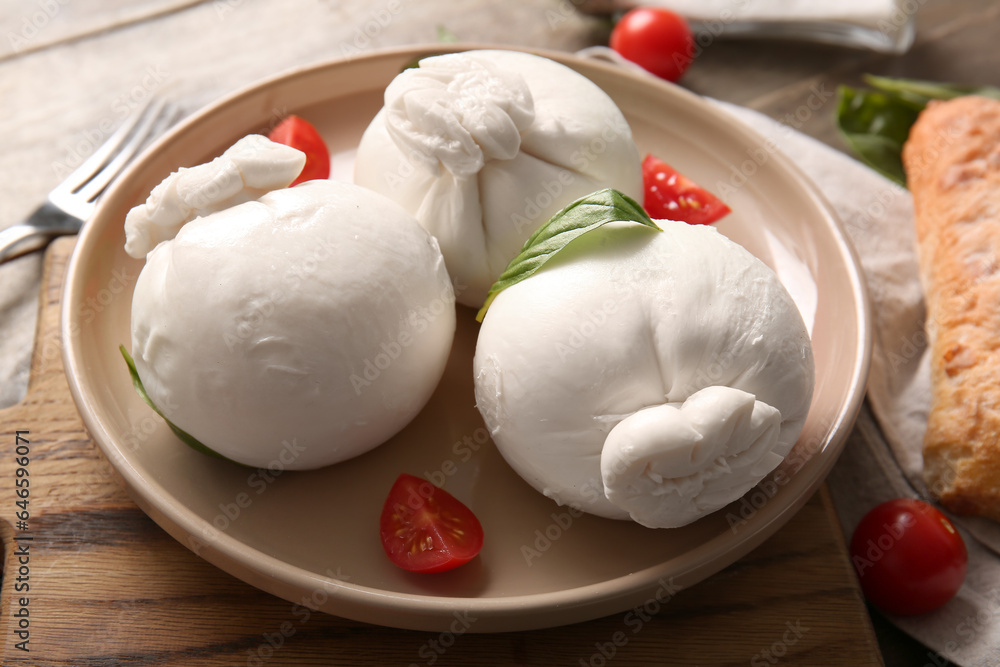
pixel 952 161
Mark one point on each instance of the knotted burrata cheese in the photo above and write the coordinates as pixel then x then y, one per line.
pixel 301 328
pixel 251 167
pixel 656 376
pixel 484 146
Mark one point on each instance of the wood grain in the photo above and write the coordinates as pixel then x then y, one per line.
pixel 109 587
pixel 32 26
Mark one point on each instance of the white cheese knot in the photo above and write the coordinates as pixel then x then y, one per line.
pixel 656 376
pixel 483 147
pixel 301 329
pixel 250 168
pixel 458 113
pixel 667 464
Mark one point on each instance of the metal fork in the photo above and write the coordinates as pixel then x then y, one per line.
pixel 72 202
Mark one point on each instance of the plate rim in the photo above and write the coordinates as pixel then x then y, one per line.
pixel 228 552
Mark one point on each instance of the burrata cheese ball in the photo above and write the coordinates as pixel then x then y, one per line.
pixel 483 147
pixel 305 326
pixel 647 375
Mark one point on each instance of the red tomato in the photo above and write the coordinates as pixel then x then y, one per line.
pixel 672 196
pixel 426 529
pixel 298 133
pixel 908 556
pixel 658 40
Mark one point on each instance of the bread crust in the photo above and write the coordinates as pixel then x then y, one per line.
pixel 952 162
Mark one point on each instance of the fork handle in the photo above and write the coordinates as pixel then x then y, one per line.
pixel 21 239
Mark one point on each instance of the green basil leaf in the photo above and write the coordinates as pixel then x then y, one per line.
pixel 584 215
pixel 188 439
pixel 876 123
pixel 922 92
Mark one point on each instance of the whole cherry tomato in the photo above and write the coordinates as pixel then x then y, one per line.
pixel 658 40
pixel 908 556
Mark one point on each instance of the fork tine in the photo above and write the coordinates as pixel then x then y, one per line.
pixel 76 194
pixel 71 202
pixel 92 164
pixel 157 114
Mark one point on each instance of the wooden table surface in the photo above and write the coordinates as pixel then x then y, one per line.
pixel 70 70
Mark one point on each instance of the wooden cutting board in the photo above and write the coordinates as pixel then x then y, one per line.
pixel 88 579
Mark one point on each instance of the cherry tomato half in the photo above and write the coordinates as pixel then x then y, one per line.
pixel 298 133
pixel 671 196
pixel 658 40
pixel 908 556
pixel 426 529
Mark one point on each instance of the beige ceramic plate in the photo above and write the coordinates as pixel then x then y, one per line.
pixel 312 537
